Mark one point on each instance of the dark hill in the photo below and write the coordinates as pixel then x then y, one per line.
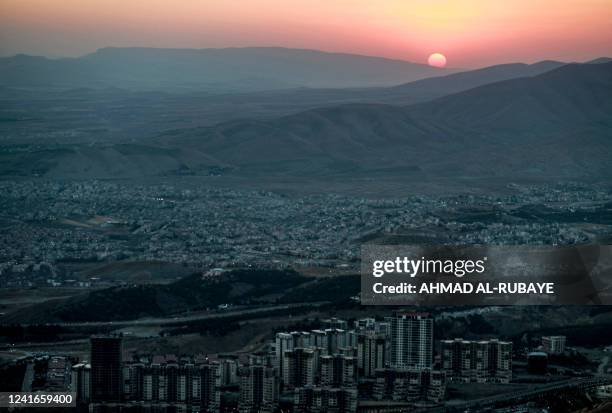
pixel 155 300
pixel 436 87
pixel 566 98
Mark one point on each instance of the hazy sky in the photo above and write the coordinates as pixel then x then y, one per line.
pixel 470 32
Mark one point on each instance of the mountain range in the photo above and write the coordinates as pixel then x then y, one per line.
pixel 111 114
pixel 554 124
pixel 402 94
pixel 229 69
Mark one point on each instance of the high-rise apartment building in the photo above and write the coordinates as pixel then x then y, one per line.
pixel 410 385
pixel 486 361
pixel 330 340
pixel 553 344
pixel 338 370
pixel 299 367
pixel 169 380
pixel 411 340
pixel 259 389
pixel 283 342
pixel 229 365
pixel 334 323
pixel 371 353
pixel 106 368
pixel 310 399
pixel 80 381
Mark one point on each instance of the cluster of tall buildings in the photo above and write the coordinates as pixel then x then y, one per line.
pixel 410 385
pixel 259 388
pixel 168 379
pixel 486 361
pixel 188 383
pixel 319 367
pixel 322 370
pixel 393 357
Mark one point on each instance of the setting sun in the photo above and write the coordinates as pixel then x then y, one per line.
pixel 436 60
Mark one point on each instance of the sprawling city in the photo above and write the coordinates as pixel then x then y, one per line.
pixel 147 297
pixel 53 231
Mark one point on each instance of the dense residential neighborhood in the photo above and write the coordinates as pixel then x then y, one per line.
pixel 48 224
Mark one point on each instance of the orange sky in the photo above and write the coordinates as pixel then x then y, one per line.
pixel 470 33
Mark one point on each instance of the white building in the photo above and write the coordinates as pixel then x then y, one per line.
pixel 553 344
pixel 411 340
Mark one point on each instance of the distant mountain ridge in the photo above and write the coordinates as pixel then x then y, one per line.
pixel 457 82
pixel 251 68
pixel 569 96
pixel 412 92
pixel 556 124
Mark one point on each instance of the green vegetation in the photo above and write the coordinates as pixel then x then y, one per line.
pixel 473 325
pixel 304 325
pixel 583 335
pixel 214 327
pixel 574 359
pixel 325 289
pixel 11 376
pixel 17 333
pixel 239 287
pixel 226 325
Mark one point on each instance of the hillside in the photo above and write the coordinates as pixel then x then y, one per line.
pixel 556 124
pixel 117 115
pixel 565 98
pixel 154 300
pixel 431 88
pixel 191 293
